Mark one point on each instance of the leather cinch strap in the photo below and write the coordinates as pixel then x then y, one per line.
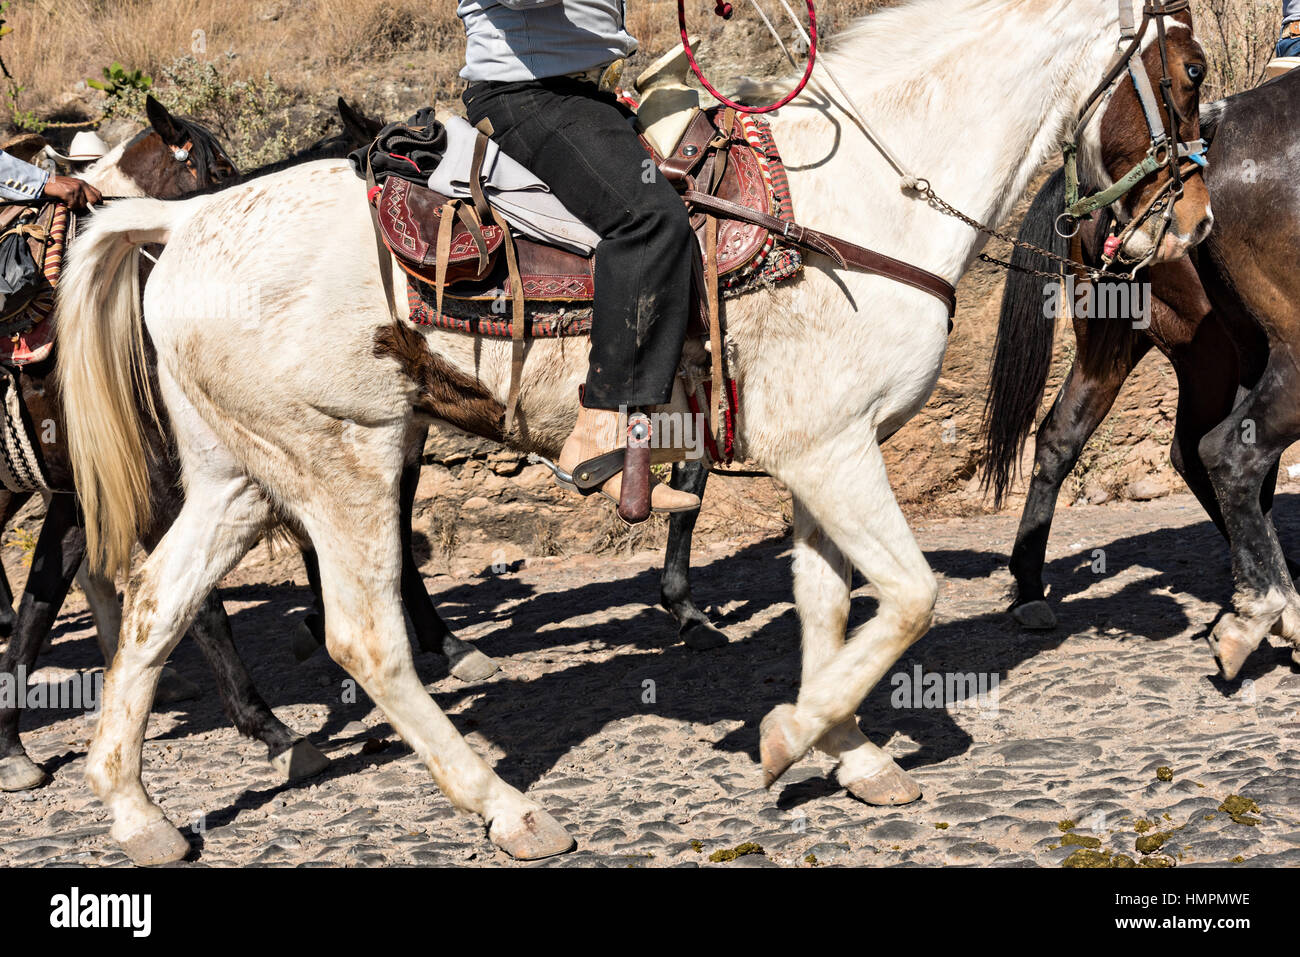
pixel 845 254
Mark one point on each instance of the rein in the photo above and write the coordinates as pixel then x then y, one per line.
pixel 724 10
pixel 1162 154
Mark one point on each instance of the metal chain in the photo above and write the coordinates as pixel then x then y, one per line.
pixel 948 209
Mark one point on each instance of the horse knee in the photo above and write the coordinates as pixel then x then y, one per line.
pixel 915 609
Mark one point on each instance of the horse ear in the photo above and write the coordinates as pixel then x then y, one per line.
pixel 359 127
pixel 163 122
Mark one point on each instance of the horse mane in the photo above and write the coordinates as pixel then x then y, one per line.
pixel 205 150
pixel 331 148
pixel 1022 351
pixel 1211 115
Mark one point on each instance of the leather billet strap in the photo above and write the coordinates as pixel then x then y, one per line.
pixel 845 254
pixel 518 310
pixel 385 255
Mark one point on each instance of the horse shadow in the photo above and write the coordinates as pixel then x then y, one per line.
pixel 738 682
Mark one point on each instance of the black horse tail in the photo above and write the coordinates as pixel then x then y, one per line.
pixel 1022 354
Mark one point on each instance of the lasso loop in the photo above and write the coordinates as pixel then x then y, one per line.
pixel 724 10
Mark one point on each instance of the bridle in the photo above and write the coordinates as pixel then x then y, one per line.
pixel 1164 152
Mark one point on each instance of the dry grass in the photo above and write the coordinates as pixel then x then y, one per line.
pixel 1239 37
pixel 315 48
pixel 393 56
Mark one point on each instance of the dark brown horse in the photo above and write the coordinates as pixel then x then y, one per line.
pixel 1227 323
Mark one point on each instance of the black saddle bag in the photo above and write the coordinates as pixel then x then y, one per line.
pixel 21 277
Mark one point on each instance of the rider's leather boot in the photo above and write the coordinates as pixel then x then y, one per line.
pixel 601 430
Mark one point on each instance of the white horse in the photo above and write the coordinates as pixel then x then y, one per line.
pixel 305 414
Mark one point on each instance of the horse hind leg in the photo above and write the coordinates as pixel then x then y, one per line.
pixel 106 610
pixel 464 661
pixel 693 626
pixel 223 516
pixel 856 508
pixel 359 549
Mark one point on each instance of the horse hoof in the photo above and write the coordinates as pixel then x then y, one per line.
pixel 172 688
pixel 303 643
pixel 474 666
pixel 702 635
pixel 888 787
pixel 159 843
pixel 18 772
pixel 1232 645
pixel 532 837
pixel 301 760
pixel 776 737
pixel 1034 615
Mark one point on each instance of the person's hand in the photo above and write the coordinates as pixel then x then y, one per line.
pixel 75 193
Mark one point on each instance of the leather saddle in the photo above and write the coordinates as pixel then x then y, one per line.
pixel 415 221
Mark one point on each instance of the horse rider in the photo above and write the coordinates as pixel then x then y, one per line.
pixel 23 182
pixel 1288 44
pixel 533 70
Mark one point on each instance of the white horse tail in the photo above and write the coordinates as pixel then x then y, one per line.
pixel 101 372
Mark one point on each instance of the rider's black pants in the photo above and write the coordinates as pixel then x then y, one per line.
pixel 580 143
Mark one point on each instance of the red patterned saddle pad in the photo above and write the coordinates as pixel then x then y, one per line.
pixel 559 286
pixel 29 337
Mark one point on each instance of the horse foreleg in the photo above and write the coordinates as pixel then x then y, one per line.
pixel 59 551
pixel 847 495
pixel 1208 379
pixel 693 626
pixel 1240 454
pixel 10 504
pixel 1080 407
pixel 823 582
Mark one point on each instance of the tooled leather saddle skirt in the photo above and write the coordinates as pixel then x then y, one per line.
pixel 558 286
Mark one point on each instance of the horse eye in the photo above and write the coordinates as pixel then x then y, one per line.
pixel 1195 72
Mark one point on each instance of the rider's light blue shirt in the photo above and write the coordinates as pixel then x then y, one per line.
pixel 20 182
pixel 513 40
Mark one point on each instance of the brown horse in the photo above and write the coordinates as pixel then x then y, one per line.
pixel 1226 322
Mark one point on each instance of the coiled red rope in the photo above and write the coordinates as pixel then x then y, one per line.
pixel 724 10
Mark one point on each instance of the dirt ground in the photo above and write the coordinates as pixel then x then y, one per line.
pixel 647 750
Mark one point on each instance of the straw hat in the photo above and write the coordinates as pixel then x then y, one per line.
pixel 86 148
